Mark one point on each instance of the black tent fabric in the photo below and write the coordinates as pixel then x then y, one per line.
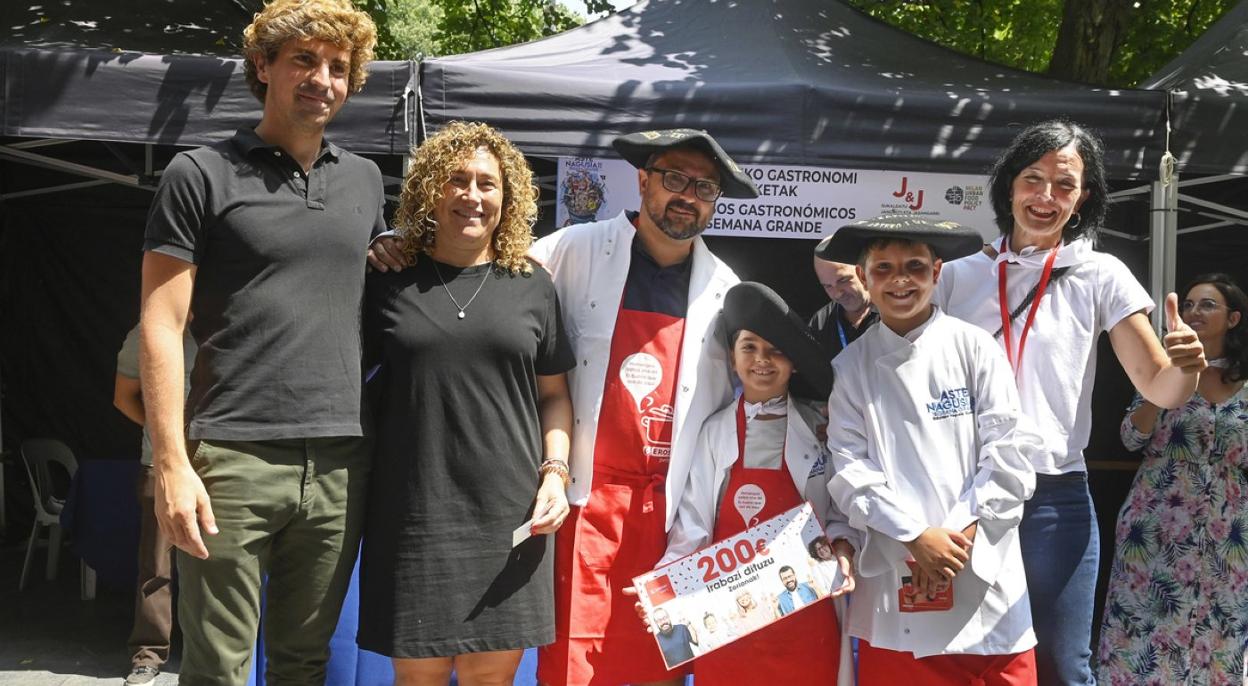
pixel 1208 83
pixel 187 100
pixel 163 72
pixel 778 81
pixel 1209 106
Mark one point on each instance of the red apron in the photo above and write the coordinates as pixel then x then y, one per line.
pixel 620 532
pixel 801 648
pixel 882 666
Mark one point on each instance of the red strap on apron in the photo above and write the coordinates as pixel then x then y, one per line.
pixel 801 649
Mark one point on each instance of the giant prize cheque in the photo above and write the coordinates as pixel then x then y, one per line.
pixel 737 586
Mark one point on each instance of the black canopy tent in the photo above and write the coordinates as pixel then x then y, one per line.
pixel 95 98
pixel 1208 84
pixel 777 81
pixel 160 73
pixel 1202 223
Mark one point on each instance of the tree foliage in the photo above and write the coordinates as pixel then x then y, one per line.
pixel 406 29
pixel 411 29
pixel 1106 42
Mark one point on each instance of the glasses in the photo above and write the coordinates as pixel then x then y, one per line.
pixel 674 181
pixel 1202 306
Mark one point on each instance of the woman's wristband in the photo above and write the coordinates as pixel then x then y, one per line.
pixel 556 467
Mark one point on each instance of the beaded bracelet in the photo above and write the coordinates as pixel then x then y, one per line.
pixel 556 467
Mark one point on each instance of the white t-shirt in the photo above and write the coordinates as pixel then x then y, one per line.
pixel 1059 362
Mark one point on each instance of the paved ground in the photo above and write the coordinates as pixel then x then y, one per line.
pixel 48 637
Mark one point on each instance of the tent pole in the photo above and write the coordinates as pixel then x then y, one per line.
pixel 52 189
pixel 1219 207
pixel 69 167
pixel 1172 235
pixel 1163 231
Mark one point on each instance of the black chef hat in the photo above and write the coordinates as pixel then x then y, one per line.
pixel 755 307
pixel 638 147
pixel 949 240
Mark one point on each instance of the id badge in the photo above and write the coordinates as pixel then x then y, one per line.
pixel 911 599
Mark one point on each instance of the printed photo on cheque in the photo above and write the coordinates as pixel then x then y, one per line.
pixel 739 585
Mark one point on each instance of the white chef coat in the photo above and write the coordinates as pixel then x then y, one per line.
pixel 589 263
pixel 804 455
pixel 1059 363
pixel 925 431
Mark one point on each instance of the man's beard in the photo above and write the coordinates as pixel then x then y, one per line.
pixel 682 230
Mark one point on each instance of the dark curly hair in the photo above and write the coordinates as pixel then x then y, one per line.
pixel 1235 343
pixel 1035 142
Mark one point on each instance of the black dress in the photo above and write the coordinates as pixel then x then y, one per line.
pixel 458 447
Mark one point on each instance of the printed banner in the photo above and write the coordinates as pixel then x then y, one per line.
pixel 793 202
pixel 738 586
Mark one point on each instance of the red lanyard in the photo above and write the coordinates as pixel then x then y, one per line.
pixel 1017 363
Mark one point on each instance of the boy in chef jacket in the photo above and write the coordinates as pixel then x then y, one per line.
pixel 766 440
pixel 930 459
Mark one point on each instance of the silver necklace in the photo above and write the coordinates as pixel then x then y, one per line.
pixel 465 306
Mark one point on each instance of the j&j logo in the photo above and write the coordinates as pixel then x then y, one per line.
pixel 952 403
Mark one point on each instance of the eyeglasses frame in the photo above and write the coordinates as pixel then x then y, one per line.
pixel 665 174
pixel 1202 306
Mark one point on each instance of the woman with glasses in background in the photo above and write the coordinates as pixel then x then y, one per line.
pixel 1177 610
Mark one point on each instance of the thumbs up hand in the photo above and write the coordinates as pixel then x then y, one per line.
pixel 1182 346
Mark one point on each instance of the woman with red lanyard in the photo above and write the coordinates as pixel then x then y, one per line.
pixel 1042 290
pixel 766 440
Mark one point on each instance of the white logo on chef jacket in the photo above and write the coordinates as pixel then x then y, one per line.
pixel 952 402
pixel 641 374
pixel 749 501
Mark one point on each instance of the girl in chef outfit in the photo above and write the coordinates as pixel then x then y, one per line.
pixel 766 440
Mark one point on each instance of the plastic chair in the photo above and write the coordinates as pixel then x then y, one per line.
pixel 39 454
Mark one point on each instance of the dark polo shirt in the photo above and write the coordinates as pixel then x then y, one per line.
pixel 824 324
pixel 280 259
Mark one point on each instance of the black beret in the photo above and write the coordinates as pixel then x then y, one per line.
pixel 638 147
pixel 755 307
pixel 949 240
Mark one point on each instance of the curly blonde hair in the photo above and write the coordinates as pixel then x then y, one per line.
pixel 335 21
pixel 435 160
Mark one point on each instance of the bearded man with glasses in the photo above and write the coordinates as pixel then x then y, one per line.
pixel 640 294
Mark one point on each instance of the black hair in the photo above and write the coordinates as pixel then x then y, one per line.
pixel 781 570
pixel 1035 142
pixel 1235 343
pixel 813 546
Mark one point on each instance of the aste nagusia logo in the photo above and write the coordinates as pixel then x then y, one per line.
pixel 953 402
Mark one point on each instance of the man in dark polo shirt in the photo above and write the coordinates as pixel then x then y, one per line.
pixel 675 640
pixel 263 238
pixel 849 314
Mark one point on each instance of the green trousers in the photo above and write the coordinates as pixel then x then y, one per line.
pixel 290 511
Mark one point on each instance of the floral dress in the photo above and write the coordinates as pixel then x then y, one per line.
pixel 1177 609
